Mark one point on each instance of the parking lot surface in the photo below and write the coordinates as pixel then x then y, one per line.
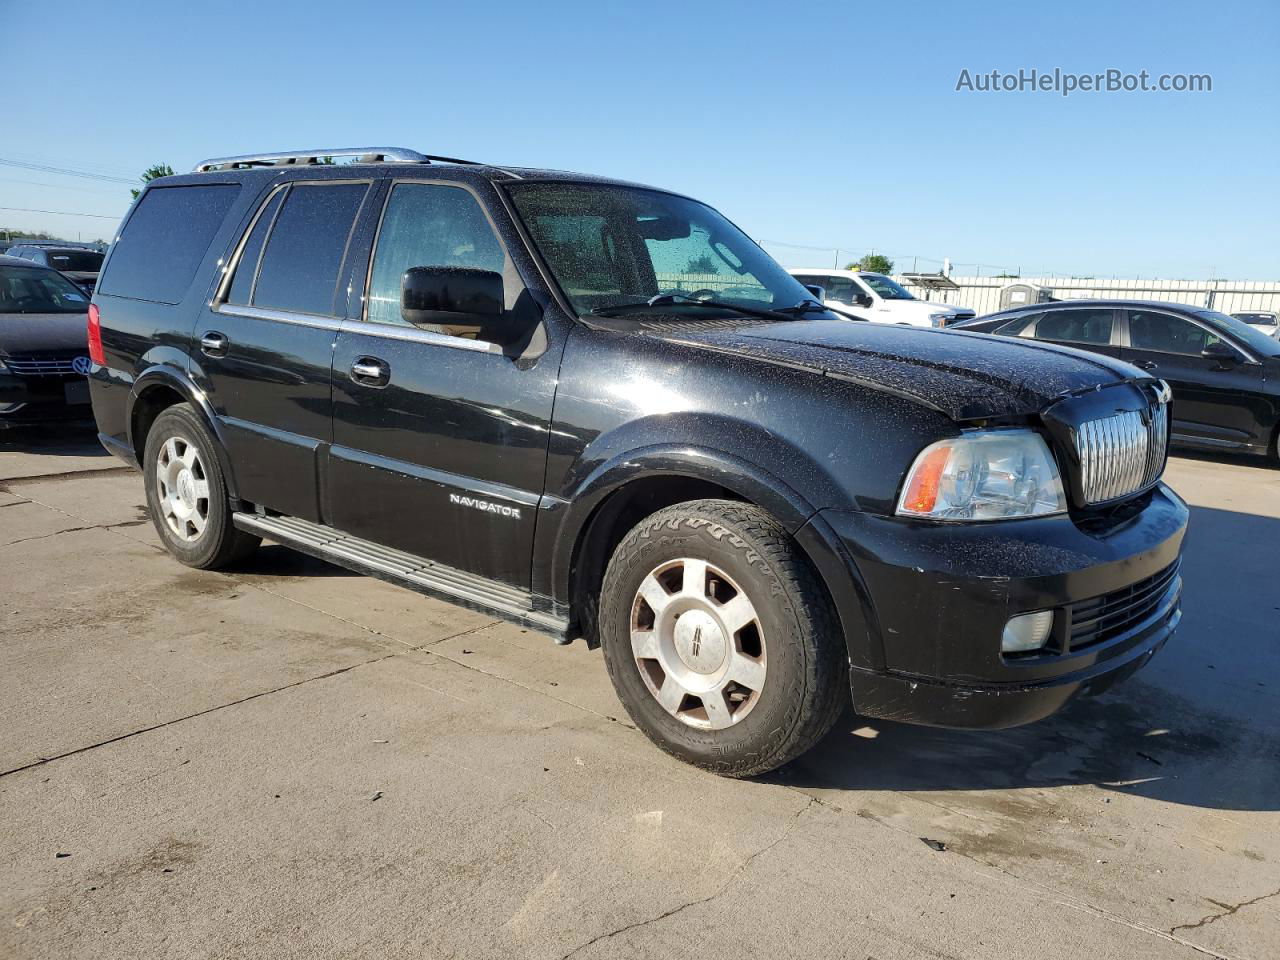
pixel 292 761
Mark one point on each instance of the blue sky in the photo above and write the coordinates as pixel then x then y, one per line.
pixel 835 125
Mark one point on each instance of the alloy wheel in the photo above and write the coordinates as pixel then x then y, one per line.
pixel 182 487
pixel 698 643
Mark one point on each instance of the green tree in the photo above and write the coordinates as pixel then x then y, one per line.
pixel 872 263
pixel 702 264
pixel 154 172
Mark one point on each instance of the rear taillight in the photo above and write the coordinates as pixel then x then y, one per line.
pixel 95 337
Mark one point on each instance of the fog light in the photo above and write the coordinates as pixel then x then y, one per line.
pixel 1029 631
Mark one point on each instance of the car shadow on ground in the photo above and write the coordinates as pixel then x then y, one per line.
pixel 1257 462
pixel 1199 726
pixel 71 438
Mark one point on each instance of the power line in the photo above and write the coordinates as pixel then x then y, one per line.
pixel 67 213
pixel 65 171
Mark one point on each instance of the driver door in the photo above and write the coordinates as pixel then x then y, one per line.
pixel 442 454
pixel 1213 402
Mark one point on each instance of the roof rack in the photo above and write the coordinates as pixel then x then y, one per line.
pixel 303 157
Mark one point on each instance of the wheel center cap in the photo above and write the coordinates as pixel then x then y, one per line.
pixel 187 488
pixel 700 642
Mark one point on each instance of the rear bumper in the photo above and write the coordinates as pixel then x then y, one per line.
pixel 940 595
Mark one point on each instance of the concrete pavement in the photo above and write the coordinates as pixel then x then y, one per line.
pixel 290 760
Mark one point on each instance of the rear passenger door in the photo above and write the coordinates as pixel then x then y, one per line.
pixel 262 350
pixel 444 454
pixel 1086 328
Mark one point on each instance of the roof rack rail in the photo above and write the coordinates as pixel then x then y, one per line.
pixel 303 157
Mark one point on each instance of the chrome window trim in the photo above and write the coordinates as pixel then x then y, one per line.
pixel 389 331
pixel 283 316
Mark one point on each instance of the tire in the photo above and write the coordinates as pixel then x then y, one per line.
pixel 191 512
pixel 659 646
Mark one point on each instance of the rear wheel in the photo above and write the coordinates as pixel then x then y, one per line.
pixel 186 493
pixel 719 639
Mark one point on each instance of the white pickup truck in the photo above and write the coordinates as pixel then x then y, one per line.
pixel 873 296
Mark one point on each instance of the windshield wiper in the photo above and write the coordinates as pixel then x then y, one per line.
pixel 680 299
pixel 810 306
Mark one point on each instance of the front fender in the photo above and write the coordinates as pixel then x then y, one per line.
pixel 746 479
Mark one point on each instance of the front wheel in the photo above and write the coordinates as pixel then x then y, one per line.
pixel 186 493
pixel 720 640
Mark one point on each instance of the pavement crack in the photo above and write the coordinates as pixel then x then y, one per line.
pixel 1227 910
pixel 724 887
pixel 191 716
pixel 58 533
pixel 46 536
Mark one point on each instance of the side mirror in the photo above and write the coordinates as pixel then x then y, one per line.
pixel 819 293
pixel 863 299
pixel 1225 354
pixel 463 298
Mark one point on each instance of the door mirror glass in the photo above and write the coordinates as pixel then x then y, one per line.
pixel 863 300
pixel 456 297
pixel 819 293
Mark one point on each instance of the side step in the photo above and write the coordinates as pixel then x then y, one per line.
pixel 406 570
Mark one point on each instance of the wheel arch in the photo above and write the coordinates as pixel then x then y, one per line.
pixel 155 390
pixel 623 491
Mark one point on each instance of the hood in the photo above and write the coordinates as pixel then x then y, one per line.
pixel 934 307
pixel 22 334
pixel 967 376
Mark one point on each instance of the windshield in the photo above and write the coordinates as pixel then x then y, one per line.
pixel 1257 319
pixel 1255 340
pixel 886 288
pixel 84 260
pixel 612 246
pixel 36 290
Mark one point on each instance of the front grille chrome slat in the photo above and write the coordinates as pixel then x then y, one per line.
pixel 1122 454
pixel 39 366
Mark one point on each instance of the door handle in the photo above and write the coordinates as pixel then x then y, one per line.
pixel 371 372
pixel 214 344
pixel 1146 365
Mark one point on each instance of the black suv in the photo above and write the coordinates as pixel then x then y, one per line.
pixel 500 387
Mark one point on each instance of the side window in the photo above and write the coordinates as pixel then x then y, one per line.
pixel 1019 326
pixel 1075 326
pixel 427 225
pixel 842 289
pixel 300 264
pixel 165 239
pixel 1166 333
pixel 247 266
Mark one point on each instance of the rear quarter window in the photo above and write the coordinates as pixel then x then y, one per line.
pixel 165 239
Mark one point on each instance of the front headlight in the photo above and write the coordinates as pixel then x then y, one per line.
pixel 984 475
pixel 939 319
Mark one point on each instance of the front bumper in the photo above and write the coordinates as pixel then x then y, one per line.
pixel 940 595
pixel 39 399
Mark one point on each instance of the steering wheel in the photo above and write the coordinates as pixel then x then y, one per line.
pixel 706 293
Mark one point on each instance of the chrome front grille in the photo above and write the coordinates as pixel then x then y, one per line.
pixel 39 366
pixel 1125 453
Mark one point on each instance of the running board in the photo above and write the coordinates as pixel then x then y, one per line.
pixel 406 570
